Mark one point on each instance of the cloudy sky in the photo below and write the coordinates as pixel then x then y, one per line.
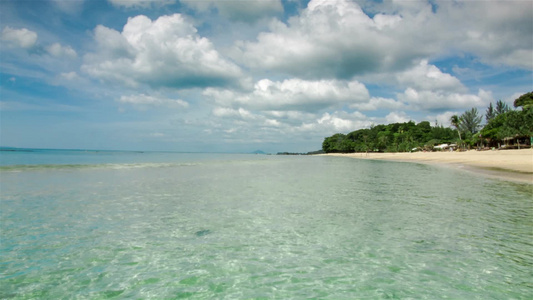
pixel 237 76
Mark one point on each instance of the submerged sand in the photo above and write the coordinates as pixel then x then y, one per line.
pixel 513 165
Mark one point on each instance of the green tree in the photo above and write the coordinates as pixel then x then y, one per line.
pixel 334 143
pixel 524 101
pixel 390 137
pixel 490 113
pixel 383 140
pixel 510 124
pixel 501 107
pixel 493 128
pixel 470 121
pixel 520 122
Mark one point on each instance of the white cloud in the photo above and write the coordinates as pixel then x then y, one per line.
pixel 397 117
pixel 167 52
pixel 428 77
pixel 142 101
pixel 330 123
pixel 440 100
pixel 337 123
pixel 249 11
pixel 377 103
pixel 279 126
pixel 291 117
pixel 425 87
pixel 337 39
pixel 23 37
pixel 498 32
pixel 294 94
pixel 140 3
pixel 240 113
pixel 59 51
pixel 333 39
pixel 443 118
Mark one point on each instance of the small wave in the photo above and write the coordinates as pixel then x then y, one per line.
pixel 48 167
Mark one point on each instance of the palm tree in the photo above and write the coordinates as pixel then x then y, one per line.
pixel 456 122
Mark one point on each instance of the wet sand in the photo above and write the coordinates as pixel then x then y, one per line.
pixel 511 165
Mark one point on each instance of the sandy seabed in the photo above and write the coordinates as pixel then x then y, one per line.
pixel 512 165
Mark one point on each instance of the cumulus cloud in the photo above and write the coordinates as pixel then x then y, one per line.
pixel 337 39
pixel 248 12
pixel 232 113
pixel 276 127
pixel 167 52
pixel 376 103
pixel 290 117
pixel 428 77
pixel 397 117
pixel 57 50
pixel 237 123
pixel 23 37
pixel 443 119
pixel 143 102
pixel 498 32
pixel 294 94
pixel 339 121
pixel 441 100
pixel 424 87
pixel 333 39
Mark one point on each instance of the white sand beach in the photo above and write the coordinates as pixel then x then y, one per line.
pixel 513 165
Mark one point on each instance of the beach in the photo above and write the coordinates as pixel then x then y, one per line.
pixel 511 165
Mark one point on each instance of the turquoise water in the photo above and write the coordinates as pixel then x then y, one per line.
pixel 98 225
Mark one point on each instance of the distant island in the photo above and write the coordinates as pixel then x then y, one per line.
pixel 289 153
pixel 258 152
pixel 297 153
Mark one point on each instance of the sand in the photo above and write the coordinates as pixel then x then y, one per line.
pixel 511 165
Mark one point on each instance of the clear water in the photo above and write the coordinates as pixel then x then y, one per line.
pixel 219 226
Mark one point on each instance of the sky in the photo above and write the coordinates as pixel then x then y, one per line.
pixel 238 76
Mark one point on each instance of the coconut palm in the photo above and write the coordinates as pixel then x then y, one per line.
pixel 456 122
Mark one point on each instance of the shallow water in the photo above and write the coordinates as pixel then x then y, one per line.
pixel 169 226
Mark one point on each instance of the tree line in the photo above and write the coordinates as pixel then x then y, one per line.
pixel 501 124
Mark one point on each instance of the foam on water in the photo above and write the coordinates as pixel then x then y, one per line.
pixel 264 227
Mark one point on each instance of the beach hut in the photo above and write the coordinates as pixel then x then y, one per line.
pixel 517 141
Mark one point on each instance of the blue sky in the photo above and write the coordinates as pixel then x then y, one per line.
pixel 236 76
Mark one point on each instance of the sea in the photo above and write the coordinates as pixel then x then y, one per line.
pixel 81 224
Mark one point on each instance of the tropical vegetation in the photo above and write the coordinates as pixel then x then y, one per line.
pixel 502 126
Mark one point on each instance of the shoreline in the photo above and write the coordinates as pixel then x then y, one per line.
pixel 508 165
